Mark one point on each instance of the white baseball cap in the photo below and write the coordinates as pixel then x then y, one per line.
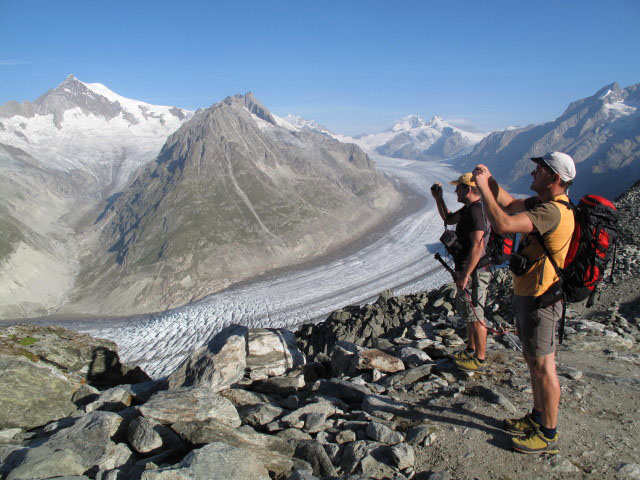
pixel 559 162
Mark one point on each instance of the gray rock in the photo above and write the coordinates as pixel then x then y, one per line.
pixel 7 434
pixel 343 390
pixel 215 461
pixel 150 437
pixel 378 360
pixel 78 355
pixel 32 395
pixel 403 455
pixel 412 357
pixel 630 471
pixel 314 453
pixel 243 398
pixel 216 365
pixel 346 436
pixel 370 458
pixel 383 434
pixel 84 446
pixel 272 352
pixel 85 394
pixel 190 404
pixel 562 465
pixel 342 356
pixel 297 418
pixel 111 400
pixel 293 434
pixel 275 453
pixel 408 377
pixel 417 434
pixel 260 415
pixel 283 386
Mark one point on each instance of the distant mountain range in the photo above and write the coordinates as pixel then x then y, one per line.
pixel 217 196
pixel 114 206
pixel 414 138
pixel 601 133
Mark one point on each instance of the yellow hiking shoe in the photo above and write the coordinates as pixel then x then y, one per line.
pixel 520 425
pixel 462 355
pixel 470 364
pixel 535 442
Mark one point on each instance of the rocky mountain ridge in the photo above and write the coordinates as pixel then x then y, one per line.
pixel 232 194
pixel 601 133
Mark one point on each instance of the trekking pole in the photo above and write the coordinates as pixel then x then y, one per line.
pixel 438 257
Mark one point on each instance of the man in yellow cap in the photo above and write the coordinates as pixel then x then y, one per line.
pixel 472 230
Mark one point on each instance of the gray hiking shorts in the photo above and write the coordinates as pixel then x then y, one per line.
pixel 463 305
pixel 536 326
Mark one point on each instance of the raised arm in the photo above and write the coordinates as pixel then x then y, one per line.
pixel 505 200
pixel 446 215
pixel 499 213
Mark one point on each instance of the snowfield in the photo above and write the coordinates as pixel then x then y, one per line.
pixel 400 260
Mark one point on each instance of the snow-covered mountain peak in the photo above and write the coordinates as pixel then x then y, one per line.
pixel 87 126
pixel 409 122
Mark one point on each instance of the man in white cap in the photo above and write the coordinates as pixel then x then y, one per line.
pixel 472 231
pixel 546 218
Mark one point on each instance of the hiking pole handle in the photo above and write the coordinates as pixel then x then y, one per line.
pixel 445 265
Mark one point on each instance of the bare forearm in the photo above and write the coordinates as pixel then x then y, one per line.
pixel 504 199
pixel 474 257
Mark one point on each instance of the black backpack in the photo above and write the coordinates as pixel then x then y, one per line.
pixel 499 249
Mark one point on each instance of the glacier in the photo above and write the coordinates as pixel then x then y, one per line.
pixel 400 260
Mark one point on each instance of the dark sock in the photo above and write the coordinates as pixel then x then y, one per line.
pixel 480 361
pixel 548 432
pixel 470 350
pixel 536 416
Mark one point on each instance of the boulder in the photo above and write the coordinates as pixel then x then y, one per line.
pixel 272 352
pixel 190 404
pixel 378 360
pixel 78 355
pixel 275 453
pixel 84 446
pixel 146 436
pixel 215 461
pixel 383 434
pixel 32 394
pixel 215 365
pixel 314 453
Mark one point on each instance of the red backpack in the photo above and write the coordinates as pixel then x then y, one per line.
pixel 589 252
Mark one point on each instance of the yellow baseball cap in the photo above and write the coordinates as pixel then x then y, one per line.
pixel 466 178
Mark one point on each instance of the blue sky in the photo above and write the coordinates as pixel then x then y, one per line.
pixel 354 66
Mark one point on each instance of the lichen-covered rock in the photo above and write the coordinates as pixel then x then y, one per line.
pixel 31 394
pixel 78 355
